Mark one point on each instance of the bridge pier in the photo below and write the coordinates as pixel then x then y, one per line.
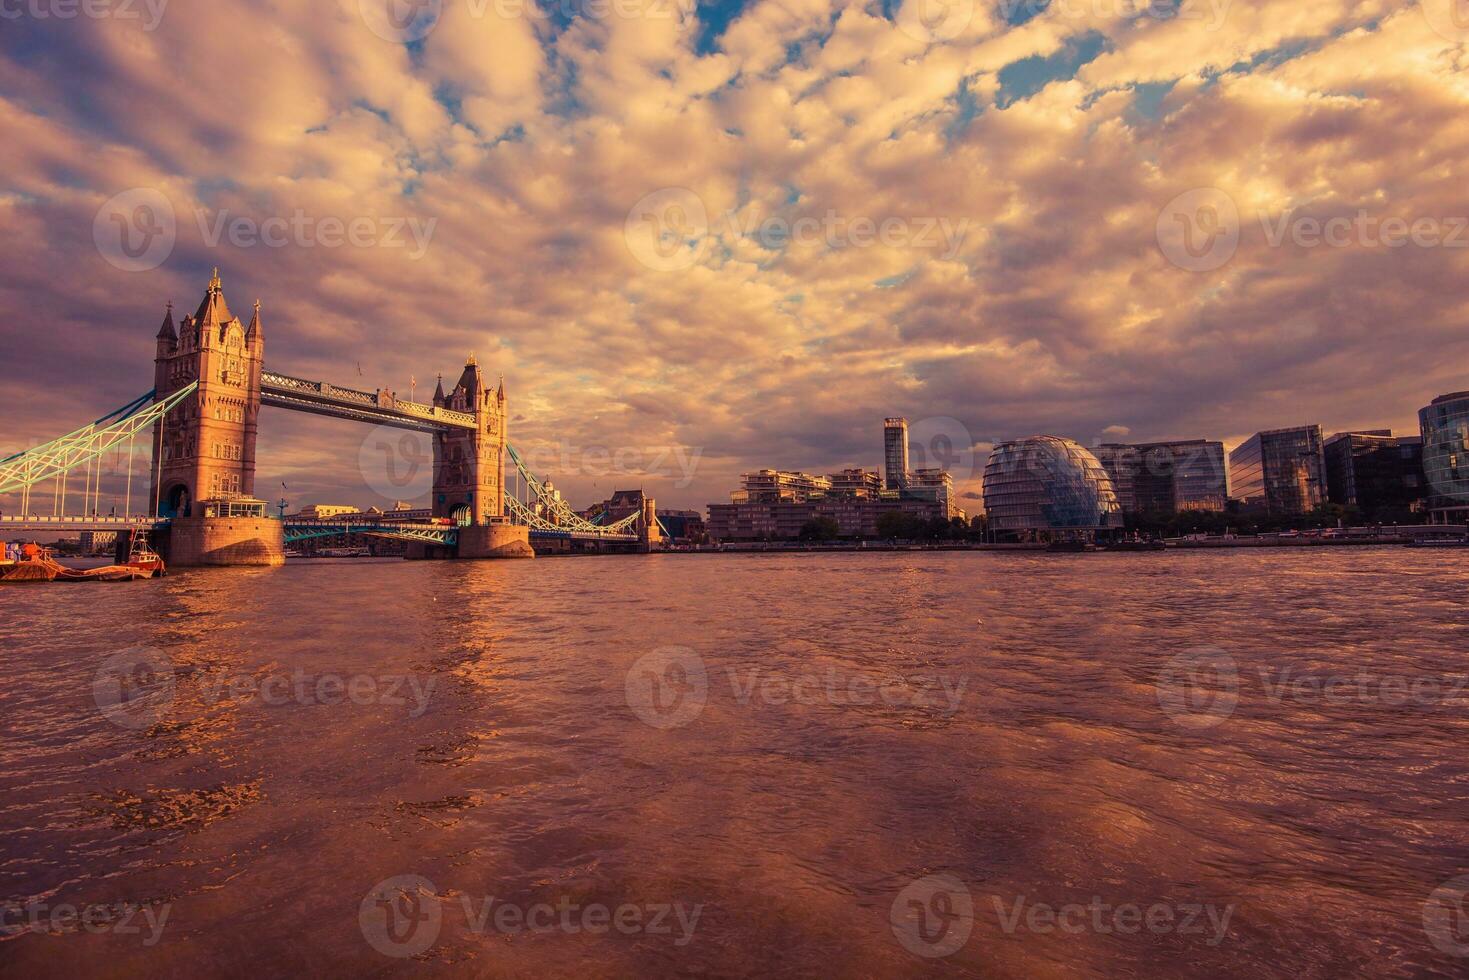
pixel 210 541
pixel 495 541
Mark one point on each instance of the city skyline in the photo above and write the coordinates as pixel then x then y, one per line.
pixel 507 221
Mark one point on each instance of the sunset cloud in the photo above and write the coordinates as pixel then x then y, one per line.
pixel 869 222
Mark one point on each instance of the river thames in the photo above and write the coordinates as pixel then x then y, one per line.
pixel 1244 763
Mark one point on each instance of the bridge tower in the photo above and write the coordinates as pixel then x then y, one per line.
pixel 469 464
pixel 469 470
pixel 204 462
pixel 205 448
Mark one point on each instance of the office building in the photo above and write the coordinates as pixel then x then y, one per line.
pixel 1048 487
pixel 1282 471
pixel 1374 469
pixel 1445 430
pixel 895 453
pixel 1166 477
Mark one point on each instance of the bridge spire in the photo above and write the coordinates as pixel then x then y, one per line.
pixel 253 330
pixel 167 331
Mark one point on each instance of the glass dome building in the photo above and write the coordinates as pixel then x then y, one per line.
pixel 1045 484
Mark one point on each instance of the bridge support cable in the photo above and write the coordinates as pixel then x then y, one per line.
pixel 84 447
pixel 550 513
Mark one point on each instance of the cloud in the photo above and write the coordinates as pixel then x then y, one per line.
pixel 791 330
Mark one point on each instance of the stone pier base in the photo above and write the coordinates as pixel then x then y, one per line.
pixel 495 541
pixel 202 541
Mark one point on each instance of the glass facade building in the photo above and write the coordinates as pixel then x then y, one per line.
pixel 895 453
pixel 1048 486
pixel 1167 477
pixel 1445 427
pixel 1374 469
pixel 1281 470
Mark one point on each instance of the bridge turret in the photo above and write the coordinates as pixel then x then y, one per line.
pixel 168 337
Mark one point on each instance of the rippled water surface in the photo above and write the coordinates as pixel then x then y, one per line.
pixel 835 765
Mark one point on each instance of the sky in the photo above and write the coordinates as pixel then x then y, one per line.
pixel 697 241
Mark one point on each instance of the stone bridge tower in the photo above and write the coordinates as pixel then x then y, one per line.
pixel 205 448
pixel 469 464
pixel 469 470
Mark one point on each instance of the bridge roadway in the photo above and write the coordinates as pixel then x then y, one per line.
pixel 381 408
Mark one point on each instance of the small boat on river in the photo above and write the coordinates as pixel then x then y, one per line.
pixel 34 563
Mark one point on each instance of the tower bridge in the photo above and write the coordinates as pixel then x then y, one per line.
pixel 203 415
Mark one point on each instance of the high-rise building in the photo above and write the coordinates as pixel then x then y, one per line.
pixel 1167 477
pixel 895 453
pixel 1374 469
pixel 1445 428
pixel 1281 470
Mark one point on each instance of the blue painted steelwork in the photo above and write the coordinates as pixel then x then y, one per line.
pixel 422 533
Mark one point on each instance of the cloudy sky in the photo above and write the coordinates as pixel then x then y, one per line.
pixel 739 235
